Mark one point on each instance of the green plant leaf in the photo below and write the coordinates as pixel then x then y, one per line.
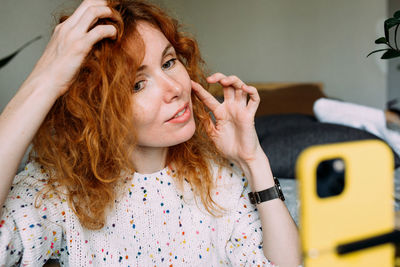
pixel 397 14
pixel 391 22
pixel 381 40
pixel 386 30
pixel 379 50
pixel 391 54
pixel 5 60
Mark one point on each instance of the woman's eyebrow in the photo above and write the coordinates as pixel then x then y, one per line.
pixel 165 51
pixel 168 47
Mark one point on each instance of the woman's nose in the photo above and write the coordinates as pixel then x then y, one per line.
pixel 171 87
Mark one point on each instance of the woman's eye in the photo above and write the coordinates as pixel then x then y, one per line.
pixel 138 86
pixel 169 63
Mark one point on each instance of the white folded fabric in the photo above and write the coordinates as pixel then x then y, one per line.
pixel 357 116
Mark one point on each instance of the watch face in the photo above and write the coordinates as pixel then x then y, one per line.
pixel 278 186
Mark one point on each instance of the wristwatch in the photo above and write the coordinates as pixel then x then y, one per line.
pixel 267 194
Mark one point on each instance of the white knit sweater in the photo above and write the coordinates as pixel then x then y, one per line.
pixel 152 224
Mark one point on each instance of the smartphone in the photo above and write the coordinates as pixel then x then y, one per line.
pixel 346 195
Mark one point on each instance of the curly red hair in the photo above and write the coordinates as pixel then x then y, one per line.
pixel 86 139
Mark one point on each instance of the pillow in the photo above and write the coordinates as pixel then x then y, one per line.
pixel 284 136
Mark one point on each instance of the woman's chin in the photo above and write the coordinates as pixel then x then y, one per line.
pixel 187 134
pixel 167 140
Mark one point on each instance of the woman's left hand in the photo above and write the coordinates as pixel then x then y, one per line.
pixel 233 133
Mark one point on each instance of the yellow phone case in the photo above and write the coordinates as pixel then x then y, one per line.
pixel 363 209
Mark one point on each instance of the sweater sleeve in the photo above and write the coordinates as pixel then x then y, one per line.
pixel 245 246
pixel 30 235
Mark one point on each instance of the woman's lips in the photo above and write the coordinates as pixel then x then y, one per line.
pixel 182 116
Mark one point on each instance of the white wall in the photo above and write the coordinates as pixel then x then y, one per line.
pixel 258 40
pixel 289 40
pixel 21 21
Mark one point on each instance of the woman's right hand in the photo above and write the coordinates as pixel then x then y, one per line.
pixel 70 43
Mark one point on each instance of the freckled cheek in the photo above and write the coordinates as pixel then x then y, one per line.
pixel 141 116
pixel 144 117
pixel 147 112
pixel 189 86
pixel 185 79
pixel 136 116
pixel 147 128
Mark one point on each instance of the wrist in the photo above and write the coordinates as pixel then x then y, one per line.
pixel 258 171
pixel 267 194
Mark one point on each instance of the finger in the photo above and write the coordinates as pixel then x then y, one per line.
pixel 216 77
pixel 75 17
pixel 233 81
pixel 254 100
pixel 243 99
pixel 100 32
pixel 239 95
pixel 229 93
pixel 208 99
pixel 92 15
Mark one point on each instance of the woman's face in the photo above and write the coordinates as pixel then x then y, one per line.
pixel 162 108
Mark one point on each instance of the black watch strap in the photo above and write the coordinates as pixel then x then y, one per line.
pixel 267 194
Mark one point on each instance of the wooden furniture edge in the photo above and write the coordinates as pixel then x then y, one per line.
pixel 216 89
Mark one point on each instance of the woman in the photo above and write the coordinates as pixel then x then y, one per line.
pixel 128 168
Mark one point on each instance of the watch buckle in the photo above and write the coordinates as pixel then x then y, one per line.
pixel 254 198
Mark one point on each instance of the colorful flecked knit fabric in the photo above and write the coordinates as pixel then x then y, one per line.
pixel 152 224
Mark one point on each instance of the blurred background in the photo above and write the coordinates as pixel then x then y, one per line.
pixel 257 40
